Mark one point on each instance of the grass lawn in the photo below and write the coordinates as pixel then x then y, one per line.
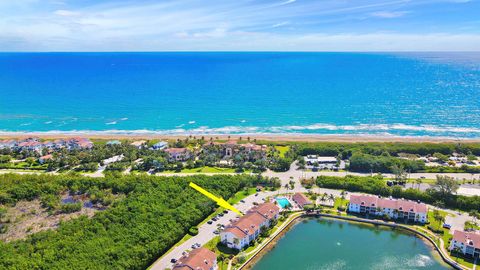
pixel 340 202
pixel 282 149
pixel 242 195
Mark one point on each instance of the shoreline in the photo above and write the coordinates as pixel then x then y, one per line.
pixel 437 252
pixel 280 137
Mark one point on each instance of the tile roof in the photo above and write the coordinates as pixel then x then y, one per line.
pixel 301 199
pixel 175 150
pixel 197 259
pixel 268 209
pixel 399 204
pixel 468 238
pixel 251 222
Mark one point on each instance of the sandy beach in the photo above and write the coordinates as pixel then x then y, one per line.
pixel 264 137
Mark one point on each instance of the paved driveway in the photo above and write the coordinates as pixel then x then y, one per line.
pixel 205 231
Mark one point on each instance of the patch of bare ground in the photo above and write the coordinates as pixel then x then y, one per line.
pixel 29 217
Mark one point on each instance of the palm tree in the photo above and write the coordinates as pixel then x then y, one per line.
pixel 457 250
pixel 418 181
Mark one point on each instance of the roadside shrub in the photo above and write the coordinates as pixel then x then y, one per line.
pixel 193 231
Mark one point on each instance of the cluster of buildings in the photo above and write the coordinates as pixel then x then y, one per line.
pixel 35 144
pixel 407 210
pixel 468 243
pixel 230 148
pixel 197 259
pixel 314 162
pixel 241 232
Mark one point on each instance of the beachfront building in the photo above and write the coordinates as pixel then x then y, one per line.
pixel 139 144
pixel 229 149
pixel 393 208
pixel 315 162
pixel 113 142
pixel 160 145
pixel 78 144
pixel 8 144
pixel 301 200
pixel 178 154
pixel 468 243
pixel 197 259
pixel 241 232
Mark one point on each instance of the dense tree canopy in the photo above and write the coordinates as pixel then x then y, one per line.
pixel 155 213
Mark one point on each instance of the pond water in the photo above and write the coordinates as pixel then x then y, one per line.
pixel 332 244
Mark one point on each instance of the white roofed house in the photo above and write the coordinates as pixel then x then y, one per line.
pixel 394 208
pixel 318 162
pixel 247 228
pixel 113 142
pixel 138 144
pixel 159 146
pixel 468 243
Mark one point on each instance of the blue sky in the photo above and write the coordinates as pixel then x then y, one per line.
pixel 245 25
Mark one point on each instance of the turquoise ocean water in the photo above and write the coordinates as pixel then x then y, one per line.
pixel 408 94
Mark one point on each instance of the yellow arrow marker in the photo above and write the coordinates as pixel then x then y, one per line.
pixel 220 201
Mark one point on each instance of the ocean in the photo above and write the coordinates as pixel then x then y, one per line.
pixel 384 94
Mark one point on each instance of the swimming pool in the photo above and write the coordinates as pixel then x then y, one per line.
pixel 283 202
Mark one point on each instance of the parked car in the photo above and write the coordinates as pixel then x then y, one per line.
pixel 209 222
pixel 215 219
pixel 216 232
pixel 256 194
pixel 225 211
pixel 242 201
pixel 221 214
pixel 194 246
pixel 447 226
pixel 173 260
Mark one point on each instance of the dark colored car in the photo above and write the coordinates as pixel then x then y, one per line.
pixel 209 222
pixel 173 260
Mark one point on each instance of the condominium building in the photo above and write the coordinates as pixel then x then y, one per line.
pixel 242 232
pixel 467 243
pixel 393 208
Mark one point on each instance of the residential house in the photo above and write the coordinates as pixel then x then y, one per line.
pixel 178 154
pixel 197 259
pixel 8 144
pixel 113 142
pixel 78 143
pixel 247 228
pixel 468 243
pixel 393 208
pixel 45 158
pixel 301 200
pixel 160 145
pixel 139 144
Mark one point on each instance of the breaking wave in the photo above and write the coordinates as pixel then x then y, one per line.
pixel 312 129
